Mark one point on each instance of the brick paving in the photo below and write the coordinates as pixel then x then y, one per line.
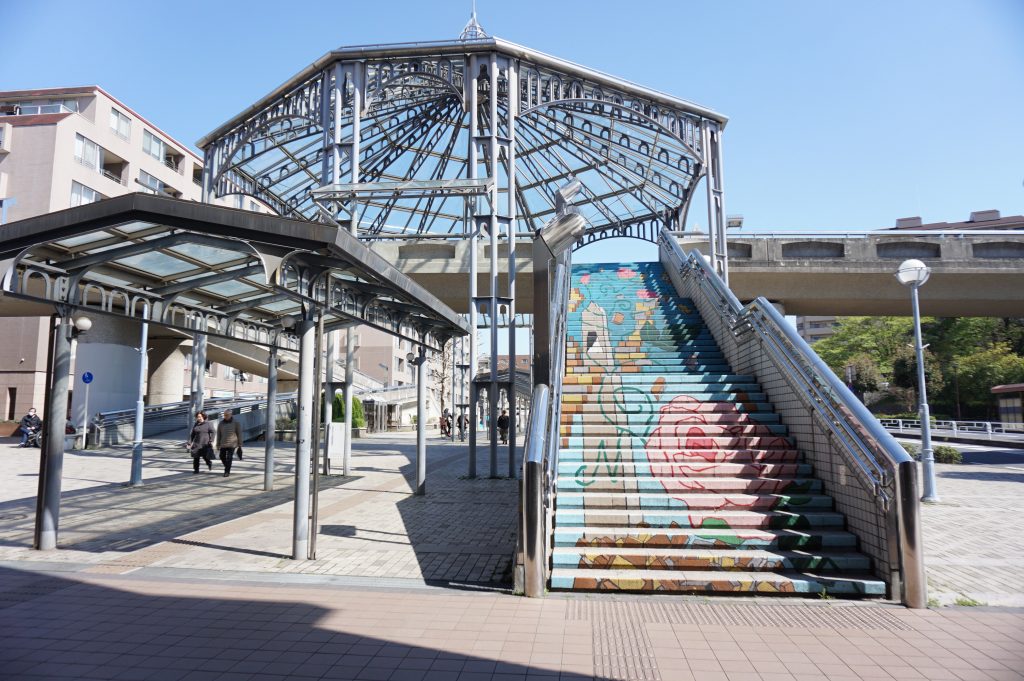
pixel 974 536
pixel 91 626
pixel 371 525
pixel 188 578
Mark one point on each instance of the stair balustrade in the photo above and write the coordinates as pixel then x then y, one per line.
pixel 845 441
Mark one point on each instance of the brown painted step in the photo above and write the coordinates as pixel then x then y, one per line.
pixel 684 429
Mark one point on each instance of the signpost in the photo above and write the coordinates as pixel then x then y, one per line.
pixel 87 379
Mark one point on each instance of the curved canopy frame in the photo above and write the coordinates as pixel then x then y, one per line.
pixel 218 271
pixel 403 112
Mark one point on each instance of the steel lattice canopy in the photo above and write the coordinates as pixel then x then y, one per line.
pixel 225 272
pixel 403 112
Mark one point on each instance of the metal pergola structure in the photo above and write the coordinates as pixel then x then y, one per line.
pixel 470 139
pixel 208 271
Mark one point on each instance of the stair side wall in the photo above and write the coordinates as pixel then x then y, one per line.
pixel 853 496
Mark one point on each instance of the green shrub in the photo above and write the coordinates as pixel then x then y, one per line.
pixel 947 454
pixel 338 411
pixel 942 453
pixel 284 423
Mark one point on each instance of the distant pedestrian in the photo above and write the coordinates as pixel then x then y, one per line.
pixel 462 426
pixel 200 442
pixel 503 426
pixel 29 427
pixel 229 439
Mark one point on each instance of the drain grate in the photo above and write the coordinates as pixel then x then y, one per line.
pixel 739 614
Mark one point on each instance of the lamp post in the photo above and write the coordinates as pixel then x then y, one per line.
pixel 914 273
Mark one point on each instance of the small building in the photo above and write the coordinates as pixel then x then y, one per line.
pixel 1011 405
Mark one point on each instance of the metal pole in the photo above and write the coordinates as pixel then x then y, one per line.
pixel 315 448
pixel 41 482
pixel 201 377
pixel 271 422
pixel 328 405
pixel 471 426
pixel 421 422
pixel 474 124
pixel 510 209
pixel 85 419
pixel 534 516
pixel 306 330
pixel 915 585
pixel 492 148
pixel 56 409
pixel 927 456
pixel 140 409
pixel 541 314
pixel 349 376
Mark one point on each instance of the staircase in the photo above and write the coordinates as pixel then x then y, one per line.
pixel 674 473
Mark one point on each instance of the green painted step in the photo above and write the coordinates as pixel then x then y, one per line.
pixel 710 581
pixel 753 560
pixel 703 538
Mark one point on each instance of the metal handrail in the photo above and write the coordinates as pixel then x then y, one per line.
pixel 990 428
pixel 883 463
pixel 116 417
pixel 540 459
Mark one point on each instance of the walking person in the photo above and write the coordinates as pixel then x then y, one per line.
pixel 503 426
pixel 200 442
pixel 229 439
pixel 462 426
pixel 29 427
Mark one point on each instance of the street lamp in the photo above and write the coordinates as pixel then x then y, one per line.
pixel 914 273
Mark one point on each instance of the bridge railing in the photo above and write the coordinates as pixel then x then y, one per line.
pixel 870 476
pixel 540 458
pixel 988 428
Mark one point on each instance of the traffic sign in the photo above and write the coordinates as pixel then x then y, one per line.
pixel 87 377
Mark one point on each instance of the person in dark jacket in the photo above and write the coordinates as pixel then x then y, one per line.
pixel 229 439
pixel 200 442
pixel 503 426
pixel 30 424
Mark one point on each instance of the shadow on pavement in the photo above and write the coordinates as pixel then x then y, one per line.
pixel 56 627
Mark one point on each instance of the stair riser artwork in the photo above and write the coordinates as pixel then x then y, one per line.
pixel 675 473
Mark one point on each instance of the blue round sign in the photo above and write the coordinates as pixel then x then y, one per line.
pixel 87 377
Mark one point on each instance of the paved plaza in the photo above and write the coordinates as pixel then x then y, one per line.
pixel 188 577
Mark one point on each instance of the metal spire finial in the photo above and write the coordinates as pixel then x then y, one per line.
pixel 473 30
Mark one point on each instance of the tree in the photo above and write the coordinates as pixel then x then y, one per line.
pixel 977 374
pixel 863 375
pixel 880 338
pixel 338 412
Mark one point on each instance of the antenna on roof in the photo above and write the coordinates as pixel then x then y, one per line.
pixel 473 30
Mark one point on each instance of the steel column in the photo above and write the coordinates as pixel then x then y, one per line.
pixel 716 198
pixel 51 470
pixel 915 585
pixel 510 210
pixel 492 153
pixel 306 330
pixel 271 421
pixel 350 359
pixel 472 87
pixel 136 474
pixel 421 422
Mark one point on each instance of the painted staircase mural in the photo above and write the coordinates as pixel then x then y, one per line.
pixel 674 473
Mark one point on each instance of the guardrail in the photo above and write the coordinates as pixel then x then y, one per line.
pixel 163 418
pixel 988 428
pixel 885 471
pixel 540 459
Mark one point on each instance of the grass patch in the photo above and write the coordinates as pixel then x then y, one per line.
pixel 966 602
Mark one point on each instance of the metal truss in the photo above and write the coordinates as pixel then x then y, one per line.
pixel 200 268
pixel 424 112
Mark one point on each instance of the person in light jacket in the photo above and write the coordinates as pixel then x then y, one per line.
pixel 229 439
pixel 200 442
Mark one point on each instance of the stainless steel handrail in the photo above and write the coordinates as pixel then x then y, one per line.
pixel 534 520
pixel 540 460
pixel 882 461
pixel 110 418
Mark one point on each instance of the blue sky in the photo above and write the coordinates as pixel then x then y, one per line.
pixel 843 114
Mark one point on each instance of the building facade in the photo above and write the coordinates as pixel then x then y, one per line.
pixel 65 147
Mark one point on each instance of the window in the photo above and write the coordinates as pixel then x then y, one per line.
pixel 154 185
pixel 81 195
pixel 120 124
pixel 47 106
pixel 87 152
pixel 153 145
pixel 253 207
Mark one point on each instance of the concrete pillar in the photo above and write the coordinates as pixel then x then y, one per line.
pixel 167 370
pixel 421 422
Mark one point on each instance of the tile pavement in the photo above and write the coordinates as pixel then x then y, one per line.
pixel 188 578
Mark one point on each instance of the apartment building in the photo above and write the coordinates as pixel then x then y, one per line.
pixel 64 147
